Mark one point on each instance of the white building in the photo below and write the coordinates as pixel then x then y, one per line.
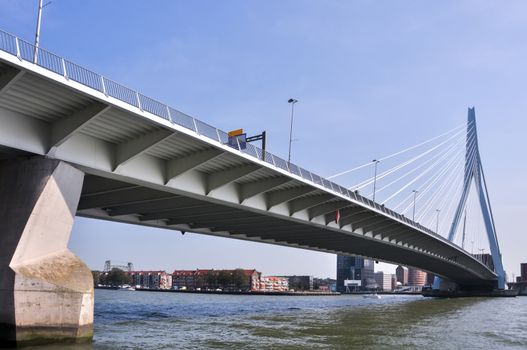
pixel 274 284
pixel 384 281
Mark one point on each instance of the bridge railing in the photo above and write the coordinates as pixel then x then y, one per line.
pixel 25 51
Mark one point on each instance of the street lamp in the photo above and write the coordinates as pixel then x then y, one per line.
pixel 437 220
pixel 415 195
pixel 375 162
pixel 37 32
pixel 292 101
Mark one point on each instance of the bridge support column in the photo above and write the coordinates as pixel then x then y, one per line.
pixel 46 292
pixel 444 285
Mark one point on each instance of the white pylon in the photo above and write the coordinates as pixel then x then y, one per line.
pixel 474 171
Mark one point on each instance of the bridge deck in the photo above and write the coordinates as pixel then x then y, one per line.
pixel 148 164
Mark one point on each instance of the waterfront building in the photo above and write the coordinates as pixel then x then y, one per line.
pixel 210 279
pixel 254 277
pixel 274 284
pixel 394 282
pixel 402 275
pixel 521 281
pixel 384 281
pixel 355 268
pixel 183 279
pixel 416 278
pixel 324 284
pixel 151 279
pixel 300 282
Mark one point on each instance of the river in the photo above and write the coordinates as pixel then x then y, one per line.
pixel 146 320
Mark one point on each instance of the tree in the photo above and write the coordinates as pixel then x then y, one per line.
pixel 224 279
pixel 96 277
pixel 241 280
pixel 211 279
pixel 316 284
pixel 117 277
pixel 200 282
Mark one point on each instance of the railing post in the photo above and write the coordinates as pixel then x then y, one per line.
pixel 18 49
pixel 169 115
pixel 138 101
pixel 218 134
pixel 64 68
pixel 103 85
pixel 195 125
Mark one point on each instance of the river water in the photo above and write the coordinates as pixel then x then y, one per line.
pixel 148 320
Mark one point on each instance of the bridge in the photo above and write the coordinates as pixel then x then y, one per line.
pixel 75 143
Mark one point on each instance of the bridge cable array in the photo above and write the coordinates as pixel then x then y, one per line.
pixel 425 182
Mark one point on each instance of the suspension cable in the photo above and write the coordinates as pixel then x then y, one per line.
pixel 397 153
pixel 402 165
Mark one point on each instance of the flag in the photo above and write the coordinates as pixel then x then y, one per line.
pixel 337 216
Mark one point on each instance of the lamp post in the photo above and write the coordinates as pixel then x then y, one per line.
pixel 437 221
pixel 415 195
pixel 375 162
pixel 292 101
pixel 37 32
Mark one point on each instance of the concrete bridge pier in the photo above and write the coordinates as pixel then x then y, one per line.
pixel 444 284
pixel 46 291
pixel 444 288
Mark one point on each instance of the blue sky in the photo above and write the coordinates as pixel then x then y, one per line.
pixel 372 77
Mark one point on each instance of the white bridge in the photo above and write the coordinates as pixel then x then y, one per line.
pixel 146 163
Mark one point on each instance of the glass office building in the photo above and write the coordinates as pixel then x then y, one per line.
pixel 354 268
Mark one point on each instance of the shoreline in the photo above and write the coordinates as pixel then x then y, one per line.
pixel 302 293
pixel 298 293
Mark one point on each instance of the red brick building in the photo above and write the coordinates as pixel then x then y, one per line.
pixel 210 279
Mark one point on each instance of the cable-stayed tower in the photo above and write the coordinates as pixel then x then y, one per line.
pixel 474 172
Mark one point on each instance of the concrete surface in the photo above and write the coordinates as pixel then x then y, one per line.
pixel 46 292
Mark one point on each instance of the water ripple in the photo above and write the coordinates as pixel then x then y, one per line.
pixel 143 320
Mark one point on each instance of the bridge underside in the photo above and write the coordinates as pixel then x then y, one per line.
pixel 109 199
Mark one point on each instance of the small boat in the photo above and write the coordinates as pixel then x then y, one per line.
pixel 125 287
pixel 371 296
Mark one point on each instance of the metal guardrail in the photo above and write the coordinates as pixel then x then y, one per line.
pixel 25 51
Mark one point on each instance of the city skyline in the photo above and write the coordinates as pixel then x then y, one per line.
pixel 231 95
